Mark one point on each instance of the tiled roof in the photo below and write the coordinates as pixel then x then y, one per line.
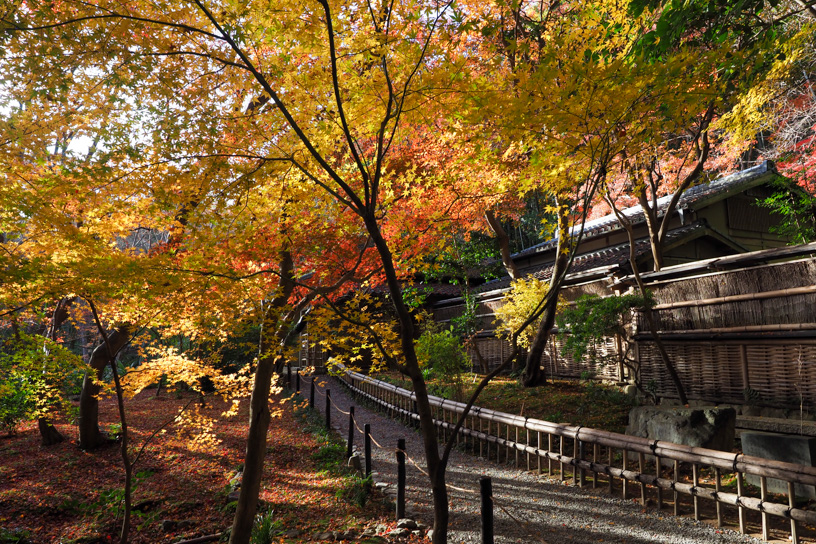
pixel 609 256
pixel 692 197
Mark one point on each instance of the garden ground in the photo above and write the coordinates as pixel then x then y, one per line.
pixel 67 495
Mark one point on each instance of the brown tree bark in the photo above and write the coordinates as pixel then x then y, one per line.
pixel 534 375
pixel 90 436
pixel 436 466
pixel 503 241
pixel 659 228
pixel 272 333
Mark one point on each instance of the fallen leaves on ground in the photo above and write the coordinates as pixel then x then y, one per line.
pixel 67 495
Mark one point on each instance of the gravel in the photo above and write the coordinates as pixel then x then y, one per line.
pixel 530 508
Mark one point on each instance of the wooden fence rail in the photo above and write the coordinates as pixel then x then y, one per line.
pixel 641 461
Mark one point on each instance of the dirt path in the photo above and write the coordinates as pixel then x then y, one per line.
pixel 530 508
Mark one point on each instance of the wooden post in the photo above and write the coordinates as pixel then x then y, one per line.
pixel 297 382
pixel 740 507
pixel 312 394
pixel 718 488
pixel 763 491
pixel 486 489
pixel 367 446
pixel 676 494
pixel 611 482
pixel 746 378
pixel 641 465
pixel 328 410
pixel 659 489
pixel 576 479
pixel 289 375
pixel 481 442
pixel 549 450
pixel 624 481
pixel 507 446
pixel 581 453
pixel 696 476
pixel 515 445
pixel 527 453
pixel 489 424
pixel 400 478
pixel 561 454
pixel 595 452
pixel 538 454
pixel 350 446
pixel 792 503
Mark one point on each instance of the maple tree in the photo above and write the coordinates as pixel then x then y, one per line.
pixel 282 157
pixel 195 279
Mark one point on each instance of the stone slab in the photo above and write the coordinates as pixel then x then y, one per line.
pixel 781 447
pixel 776 425
pixel 709 427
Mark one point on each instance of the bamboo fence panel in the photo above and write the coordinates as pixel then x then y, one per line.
pixel 708 370
pixel 736 282
pixel 782 374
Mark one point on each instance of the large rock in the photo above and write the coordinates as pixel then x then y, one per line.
pixel 781 447
pixel 705 426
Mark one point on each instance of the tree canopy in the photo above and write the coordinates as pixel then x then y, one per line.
pixel 189 168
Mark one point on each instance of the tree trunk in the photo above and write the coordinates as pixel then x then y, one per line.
pixel 120 403
pixel 483 365
pixel 647 311
pixel 661 349
pixel 259 418
pixel 272 334
pixel 534 375
pixel 436 467
pixel 48 433
pixel 90 436
pixel 503 241
pixel 441 511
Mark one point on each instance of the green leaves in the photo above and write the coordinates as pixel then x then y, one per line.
pixel 592 319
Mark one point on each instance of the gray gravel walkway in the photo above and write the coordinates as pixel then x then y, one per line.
pixel 544 510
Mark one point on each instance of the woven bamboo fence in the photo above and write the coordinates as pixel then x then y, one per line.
pixel 773 373
pixel 713 327
pixel 495 350
pixel 619 461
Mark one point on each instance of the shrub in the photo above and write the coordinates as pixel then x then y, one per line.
pixel 17 402
pixel 442 356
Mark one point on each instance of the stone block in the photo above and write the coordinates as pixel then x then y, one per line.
pixel 781 447
pixel 705 427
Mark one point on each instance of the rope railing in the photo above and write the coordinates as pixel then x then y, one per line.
pixel 621 451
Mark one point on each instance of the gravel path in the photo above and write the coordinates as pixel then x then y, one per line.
pixel 546 510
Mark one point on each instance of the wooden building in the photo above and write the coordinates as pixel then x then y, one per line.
pixel 720 245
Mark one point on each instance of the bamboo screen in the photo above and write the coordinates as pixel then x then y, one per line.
pixel 788 310
pixel 737 282
pixel 494 350
pixel 708 370
pixel 782 374
pixel 762 373
pixel 602 365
